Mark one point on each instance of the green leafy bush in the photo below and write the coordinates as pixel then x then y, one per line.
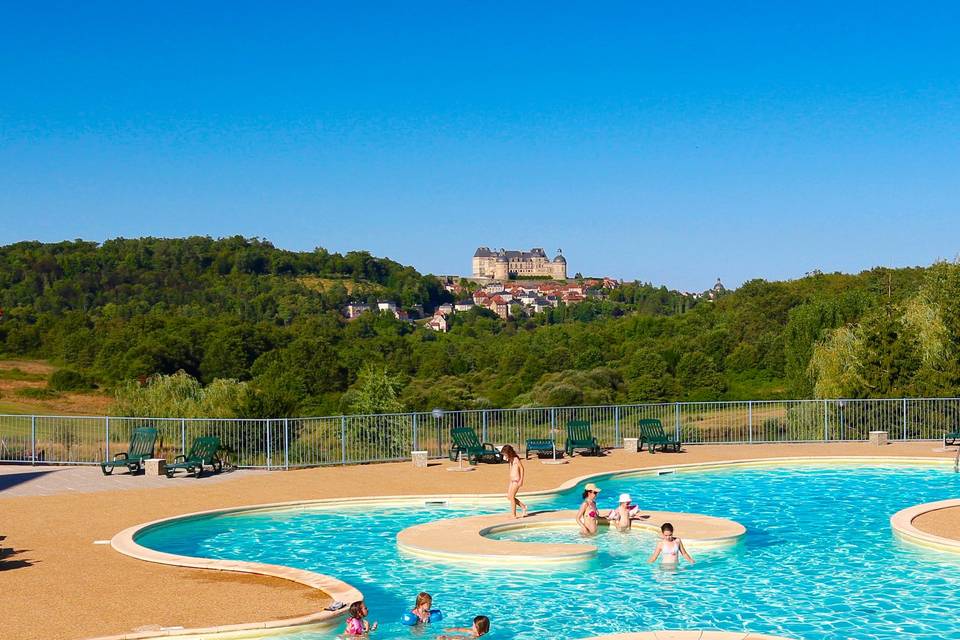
pixel 69 380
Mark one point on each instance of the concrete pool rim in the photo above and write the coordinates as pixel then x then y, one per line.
pixel 902 524
pixel 125 541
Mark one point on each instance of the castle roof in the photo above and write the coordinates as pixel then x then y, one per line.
pixel 486 252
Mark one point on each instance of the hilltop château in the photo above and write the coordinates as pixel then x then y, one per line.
pixel 503 264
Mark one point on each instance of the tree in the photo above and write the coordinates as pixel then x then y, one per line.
pixel 697 375
pixel 376 391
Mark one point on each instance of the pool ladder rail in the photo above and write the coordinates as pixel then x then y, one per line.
pixel 956 462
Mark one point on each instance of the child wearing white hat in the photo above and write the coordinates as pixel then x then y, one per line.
pixel 623 515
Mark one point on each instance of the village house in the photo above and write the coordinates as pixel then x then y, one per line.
pixel 463 305
pixel 354 309
pixel 438 323
pixel 499 306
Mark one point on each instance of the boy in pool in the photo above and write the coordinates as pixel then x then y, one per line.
pixel 670 547
pixel 481 627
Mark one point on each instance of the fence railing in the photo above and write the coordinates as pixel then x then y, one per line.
pixel 306 442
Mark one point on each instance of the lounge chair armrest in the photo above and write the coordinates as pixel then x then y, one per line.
pixel 123 455
pixel 179 459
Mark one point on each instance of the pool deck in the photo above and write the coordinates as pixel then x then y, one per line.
pixel 468 539
pixel 58 583
pixel 933 524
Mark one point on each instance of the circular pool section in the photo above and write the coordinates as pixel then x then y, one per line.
pixel 818 561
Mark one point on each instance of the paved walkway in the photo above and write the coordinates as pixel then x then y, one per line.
pixel 49 480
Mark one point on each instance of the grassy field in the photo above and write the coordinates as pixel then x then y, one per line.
pixel 23 390
pixel 317 283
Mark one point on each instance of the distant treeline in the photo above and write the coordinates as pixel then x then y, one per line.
pixel 242 309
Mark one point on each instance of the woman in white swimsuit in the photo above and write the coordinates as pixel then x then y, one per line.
pixel 669 547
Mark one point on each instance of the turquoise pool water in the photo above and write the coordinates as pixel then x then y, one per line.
pixel 819 560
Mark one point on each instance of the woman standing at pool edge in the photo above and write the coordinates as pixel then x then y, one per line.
pixel 516 480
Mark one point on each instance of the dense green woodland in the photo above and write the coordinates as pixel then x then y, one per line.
pixel 241 309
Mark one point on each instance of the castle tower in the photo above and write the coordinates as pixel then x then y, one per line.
pixel 482 259
pixel 559 266
pixel 501 268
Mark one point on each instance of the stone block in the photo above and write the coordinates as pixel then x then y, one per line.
pixel 154 466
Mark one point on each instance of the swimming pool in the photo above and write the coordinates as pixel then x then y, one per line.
pixel 819 559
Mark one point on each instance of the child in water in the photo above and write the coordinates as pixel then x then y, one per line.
pixel 357 625
pixel 670 547
pixel 481 627
pixel 421 608
pixel 623 516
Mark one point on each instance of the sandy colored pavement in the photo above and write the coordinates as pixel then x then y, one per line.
pixel 57 584
pixel 942 522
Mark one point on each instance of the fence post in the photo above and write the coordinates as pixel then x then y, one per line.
pixel 750 420
pixel 616 426
pixel 415 447
pixel 183 436
pixel 553 426
pixel 826 423
pixel 904 418
pixel 676 420
pixel 269 444
pixel 843 423
pixel 33 439
pixel 107 434
pixel 286 443
pixel 343 439
pixel 484 415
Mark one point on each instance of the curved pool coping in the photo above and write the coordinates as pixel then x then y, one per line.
pixel 467 539
pixel 902 524
pixel 125 541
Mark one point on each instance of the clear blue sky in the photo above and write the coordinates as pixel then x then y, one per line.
pixel 669 144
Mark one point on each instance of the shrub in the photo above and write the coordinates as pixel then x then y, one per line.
pixel 69 380
pixel 180 395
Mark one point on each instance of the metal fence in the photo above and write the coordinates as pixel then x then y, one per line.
pixel 304 442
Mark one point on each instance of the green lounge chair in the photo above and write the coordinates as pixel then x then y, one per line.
pixel 652 433
pixel 142 441
pixel 539 445
pixel 579 436
pixel 466 442
pixel 203 451
pixel 950 439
